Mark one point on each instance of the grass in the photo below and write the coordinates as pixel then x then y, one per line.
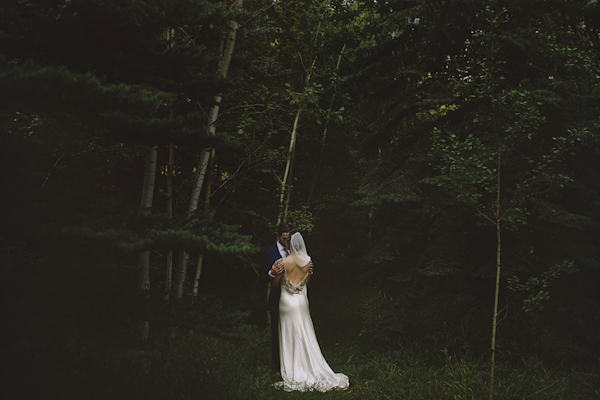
pixel 210 368
pixel 56 358
pixel 206 367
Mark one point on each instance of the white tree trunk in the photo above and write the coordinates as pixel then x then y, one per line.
pixel 283 212
pixel 149 179
pixel 283 207
pixel 170 169
pixel 207 192
pixel 214 112
pixel 199 181
pixel 497 289
pixel 498 218
pixel 169 36
pixel 198 272
pixel 209 153
pixel 143 281
pixel 205 155
pixel 143 261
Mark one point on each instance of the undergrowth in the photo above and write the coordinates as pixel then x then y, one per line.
pixel 206 367
pixel 56 358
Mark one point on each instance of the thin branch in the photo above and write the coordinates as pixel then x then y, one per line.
pixel 251 264
pixel 302 62
pixel 192 40
pixel 486 217
pixel 256 14
pixel 55 164
pixel 237 170
pixel 506 306
pixel 507 210
pixel 505 315
pixel 278 178
pixel 230 110
pixel 202 109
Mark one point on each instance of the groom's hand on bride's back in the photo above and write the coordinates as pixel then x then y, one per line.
pixel 277 268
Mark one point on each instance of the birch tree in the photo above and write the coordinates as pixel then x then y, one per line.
pixel 170 37
pixel 307 91
pixel 143 260
pixel 205 153
pixel 183 259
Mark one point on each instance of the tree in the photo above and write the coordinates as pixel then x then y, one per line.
pixel 493 169
pixel 483 91
pixel 145 96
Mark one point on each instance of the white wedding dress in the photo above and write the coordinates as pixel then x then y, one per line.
pixel 303 367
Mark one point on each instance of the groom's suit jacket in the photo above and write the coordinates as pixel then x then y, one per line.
pixel 271 255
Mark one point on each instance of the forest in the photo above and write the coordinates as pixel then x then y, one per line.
pixel 441 159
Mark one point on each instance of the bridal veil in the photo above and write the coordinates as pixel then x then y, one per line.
pixel 298 250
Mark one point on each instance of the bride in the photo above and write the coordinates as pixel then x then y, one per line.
pixel 303 367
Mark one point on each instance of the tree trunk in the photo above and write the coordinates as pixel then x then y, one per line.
pixel 283 211
pixel 497 290
pixel 143 281
pixel 198 272
pixel 170 212
pixel 286 205
pixel 495 316
pixel 183 259
pixel 182 262
pixel 214 113
pixel 498 218
pixel 211 175
pixel 143 262
pixel 169 36
pixel 283 207
pixel 206 204
pixel 211 128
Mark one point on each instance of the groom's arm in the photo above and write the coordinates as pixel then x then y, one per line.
pixel 269 270
pixel 266 267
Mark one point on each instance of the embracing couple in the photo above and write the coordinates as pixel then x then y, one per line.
pixel 295 350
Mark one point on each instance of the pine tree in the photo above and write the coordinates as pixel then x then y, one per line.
pixel 127 85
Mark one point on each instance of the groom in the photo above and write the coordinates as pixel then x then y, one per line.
pixel 268 272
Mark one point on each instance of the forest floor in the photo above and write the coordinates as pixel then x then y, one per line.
pixel 212 368
pixel 59 363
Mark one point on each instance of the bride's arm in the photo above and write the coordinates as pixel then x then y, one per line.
pixel 309 270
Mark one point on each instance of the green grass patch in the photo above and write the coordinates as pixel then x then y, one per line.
pixel 211 368
pixel 63 350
